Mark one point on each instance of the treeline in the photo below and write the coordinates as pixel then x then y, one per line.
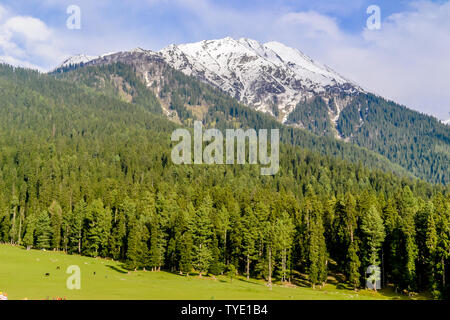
pixel 86 173
pixel 262 232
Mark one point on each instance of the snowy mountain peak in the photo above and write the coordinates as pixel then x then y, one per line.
pixel 262 75
pixel 138 50
pixel 77 59
pixel 271 77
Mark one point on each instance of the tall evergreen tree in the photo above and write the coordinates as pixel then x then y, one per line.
pixel 43 231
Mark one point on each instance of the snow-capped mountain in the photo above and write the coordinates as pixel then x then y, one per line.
pixel 78 59
pixel 260 75
pixel 270 77
pixel 82 58
pixel 447 122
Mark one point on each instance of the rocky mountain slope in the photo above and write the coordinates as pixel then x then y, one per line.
pixel 270 77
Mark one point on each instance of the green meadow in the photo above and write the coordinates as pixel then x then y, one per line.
pixel 23 276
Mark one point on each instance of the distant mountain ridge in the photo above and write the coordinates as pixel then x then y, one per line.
pixel 293 88
pixel 271 77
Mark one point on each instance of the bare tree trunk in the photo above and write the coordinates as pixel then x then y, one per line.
pixel 248 266
pixel 20 224
pixel 79 242
pixel 443 271
pixel 13 227
pixel 270 267
pixel 351 234
pixel 225 247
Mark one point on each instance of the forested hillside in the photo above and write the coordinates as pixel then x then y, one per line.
pixel 87 173
pixel 189 99
pixel 416 142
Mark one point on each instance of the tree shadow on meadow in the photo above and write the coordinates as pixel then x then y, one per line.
pixel 118 269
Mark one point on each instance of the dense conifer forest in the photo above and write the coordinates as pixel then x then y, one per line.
pixel 85 172
pixel 399 139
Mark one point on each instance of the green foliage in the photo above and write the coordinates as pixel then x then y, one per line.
pixel 416 141
pixel 231 272
pixel 96 174
pixel 313 116
pixel 43 231
pixel 353 265
pixel 373 231
pixel 179 91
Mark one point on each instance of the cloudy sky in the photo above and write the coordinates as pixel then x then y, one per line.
pixel 407 60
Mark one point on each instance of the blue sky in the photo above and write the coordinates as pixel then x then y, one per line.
pixel 406 60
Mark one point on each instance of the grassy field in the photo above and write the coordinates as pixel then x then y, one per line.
pixel 22 275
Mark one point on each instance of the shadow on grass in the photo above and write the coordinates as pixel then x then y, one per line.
pixel 120 270
pixel 251 282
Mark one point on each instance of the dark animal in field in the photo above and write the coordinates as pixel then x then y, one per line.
pixel 47 274
pixel 58 268
pixel 94 273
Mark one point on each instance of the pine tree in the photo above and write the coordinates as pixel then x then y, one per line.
pixel 43 231
pixel 373 230
pixel 215 267
pixel 126 210
pixel 285 233
pixel 431 241
pixel 75 220
pixel 249 238
pixel 202 235
pixel 30 227
pixel 186 246
pixel 136 244
pixel 56 221
pixel 317 256
pixel 407 207
pixel 97 229
pixel 353 265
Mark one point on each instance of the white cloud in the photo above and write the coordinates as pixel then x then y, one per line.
pixel 311 24
pixel 27 41
pixel 406 61
pixel 31 28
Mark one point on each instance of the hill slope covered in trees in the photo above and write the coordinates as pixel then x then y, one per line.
pixel 416 142
pixel 184 99
pixel 88 173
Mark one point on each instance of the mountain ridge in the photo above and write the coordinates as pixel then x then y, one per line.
pixel 418 142
pixel 271 76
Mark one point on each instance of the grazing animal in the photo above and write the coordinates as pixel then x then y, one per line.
pixel 47 274
pixel 94 273
pixel 58 268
